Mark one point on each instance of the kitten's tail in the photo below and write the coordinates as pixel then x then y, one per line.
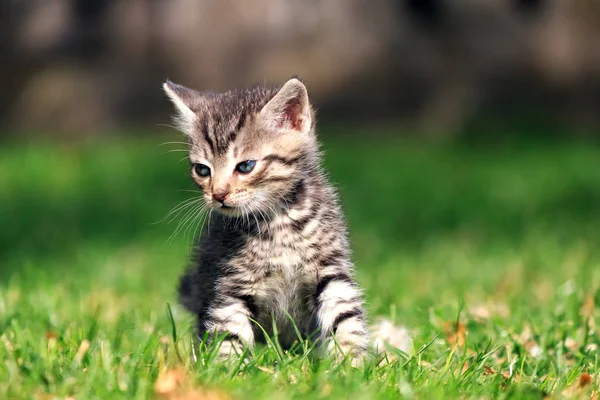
pixel 385 334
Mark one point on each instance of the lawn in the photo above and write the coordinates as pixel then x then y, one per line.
pixel 488 254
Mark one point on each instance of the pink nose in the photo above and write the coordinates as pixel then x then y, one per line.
pixel 220 197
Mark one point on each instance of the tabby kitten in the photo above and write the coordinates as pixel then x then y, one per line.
pixel 276 248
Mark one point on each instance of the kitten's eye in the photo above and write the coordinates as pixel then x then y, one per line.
pixel 245 166
pixel 202 170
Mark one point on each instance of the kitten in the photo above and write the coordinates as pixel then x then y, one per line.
pixel 276 247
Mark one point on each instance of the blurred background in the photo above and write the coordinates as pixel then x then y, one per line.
pixel 78 67
pixel 461 134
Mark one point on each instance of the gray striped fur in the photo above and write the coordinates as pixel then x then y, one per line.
pixel 280 247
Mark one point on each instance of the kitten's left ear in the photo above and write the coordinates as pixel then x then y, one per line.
pixel 187 102
pixel 289 109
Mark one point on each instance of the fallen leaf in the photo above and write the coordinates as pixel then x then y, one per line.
pixel 587 308
pixel 326 389
pixel 174 384
pixel 265 369
pixel 164 340
pixel 465 368
pixel 585 379
pixel 483 312
pixel 571 344
pixel 480 312
pixel 533 349
pixel 39 395
pixel 579 388
pixel 525 335
pixel 83 348
pixel 456 333
pixel 487 370
pixel 168 381
pixel 591 347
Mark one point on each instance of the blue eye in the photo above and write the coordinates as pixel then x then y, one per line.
pixel 202 170
pixel 245 166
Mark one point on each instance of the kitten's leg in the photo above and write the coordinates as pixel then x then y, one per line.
pixel 340 312
pixel 230 316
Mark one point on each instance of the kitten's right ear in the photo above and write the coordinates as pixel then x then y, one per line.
pixel 187 102
pixel 289 109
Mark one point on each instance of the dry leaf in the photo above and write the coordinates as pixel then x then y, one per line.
pixel 533 349
pixel 164 340
pixel 587 308
pixel 265 369
pixel 585 380
pixel 455 333
pixel 326 389
pixel 174 384
pixel 579 388
pixel 169 381
pixel 480 312
pixel 465 368
pixel 39 395
pixel 591 347
pixel 487 370
pixel 83 348
pixel 483 312
pixel 526 335
pixel 571 344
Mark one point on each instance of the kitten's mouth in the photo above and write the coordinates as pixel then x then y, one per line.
pixel 227 210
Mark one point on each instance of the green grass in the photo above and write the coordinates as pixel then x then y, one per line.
pixel 502 239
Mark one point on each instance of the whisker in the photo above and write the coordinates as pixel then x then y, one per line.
pixel 210 219
pixel 203 215
pixel 178 208
pixel 183 205
pixel 184 221
pixel 196 222
pixel 186 225
pixel 165 143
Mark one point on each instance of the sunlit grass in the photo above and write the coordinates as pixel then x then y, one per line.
pixel 489 255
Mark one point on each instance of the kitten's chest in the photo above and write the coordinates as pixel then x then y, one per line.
pixel 283 262
pixel 285 271
pixel 282 248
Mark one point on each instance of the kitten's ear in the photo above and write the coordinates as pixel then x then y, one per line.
pixel 289 109
pixel 187 102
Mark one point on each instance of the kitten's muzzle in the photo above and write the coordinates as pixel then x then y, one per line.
pixel 220 197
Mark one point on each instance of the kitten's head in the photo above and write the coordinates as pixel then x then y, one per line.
pixel 248 147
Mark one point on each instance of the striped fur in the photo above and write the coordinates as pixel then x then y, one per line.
pixel 277 247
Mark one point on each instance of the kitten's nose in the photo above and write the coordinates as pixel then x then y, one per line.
pixel 220 197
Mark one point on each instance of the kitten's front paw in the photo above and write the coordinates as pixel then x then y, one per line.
pixel 346 352
pixel 230 350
